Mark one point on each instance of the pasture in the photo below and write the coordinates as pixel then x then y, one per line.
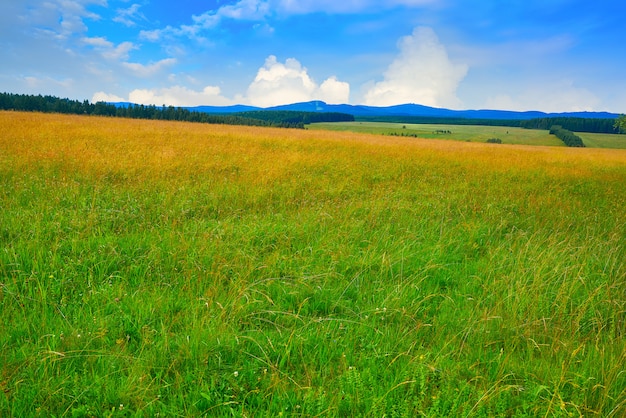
pixel 175 269
pixel 472 133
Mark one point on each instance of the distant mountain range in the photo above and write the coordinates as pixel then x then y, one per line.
pixel 413 110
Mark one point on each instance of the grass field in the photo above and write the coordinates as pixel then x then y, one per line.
pixel 473 133
pixel 161 268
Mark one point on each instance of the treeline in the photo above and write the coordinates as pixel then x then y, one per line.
pixel 434 120
pixel 51 104
pixel 297 118
pixel 593 125
pixel 599 126
pixel 569 138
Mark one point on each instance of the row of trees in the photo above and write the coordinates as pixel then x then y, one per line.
pixel 297 117
pixel 594 125
pixel 568 137
pixel 51 104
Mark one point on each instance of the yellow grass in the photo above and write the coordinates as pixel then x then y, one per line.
pixel 152 149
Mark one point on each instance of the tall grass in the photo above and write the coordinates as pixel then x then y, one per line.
pixel 185 270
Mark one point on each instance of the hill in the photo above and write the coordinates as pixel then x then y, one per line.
pixel 408 110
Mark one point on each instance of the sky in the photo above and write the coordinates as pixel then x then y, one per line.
pixel 547 55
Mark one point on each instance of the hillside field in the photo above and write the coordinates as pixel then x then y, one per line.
pixel 152 268
pixel 473 133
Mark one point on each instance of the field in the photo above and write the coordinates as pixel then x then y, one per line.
pixel 164 268
pixel 472 133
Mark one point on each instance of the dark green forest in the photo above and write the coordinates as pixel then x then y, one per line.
pixel 592 125
pixel 599 126
pixel 296 117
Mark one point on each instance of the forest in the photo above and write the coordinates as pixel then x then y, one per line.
pixel 51 104
pixel 591 125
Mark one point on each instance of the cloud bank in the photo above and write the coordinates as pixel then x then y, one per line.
pixel 421 73
pixel 275 84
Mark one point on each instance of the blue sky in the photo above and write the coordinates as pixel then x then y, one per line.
pixel 549 55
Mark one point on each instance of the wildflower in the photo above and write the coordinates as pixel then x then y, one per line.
pixel 235 373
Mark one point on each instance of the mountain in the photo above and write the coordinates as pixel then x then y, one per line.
pixel 412 110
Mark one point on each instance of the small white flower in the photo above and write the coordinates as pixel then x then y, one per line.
pixel 235 373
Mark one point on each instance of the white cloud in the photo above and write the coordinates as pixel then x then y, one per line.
pixel 245 10
pixel 249 10
pixel 104 97
pixel 151 35
pixel 334 91
pixel 277 83
pixel 561 96
pixel 422 73
pixel 261 10
pixel 108 50
pixel 143 70
pixel 170 96
pixel 128 17
pixel 61 19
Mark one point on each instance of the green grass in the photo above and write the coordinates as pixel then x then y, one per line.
pixel 473 133
pixel 211 271
pixel 617 141
pixel 470 133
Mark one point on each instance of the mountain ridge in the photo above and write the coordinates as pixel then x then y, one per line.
pixel 408 109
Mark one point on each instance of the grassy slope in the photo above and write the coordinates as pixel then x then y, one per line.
pixel 473 133
pixel 603 140
pixel 156 267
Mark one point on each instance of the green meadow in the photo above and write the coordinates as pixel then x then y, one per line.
pixel 152 268
pixel 472 133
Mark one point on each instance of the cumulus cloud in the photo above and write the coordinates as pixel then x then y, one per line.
pixel 277 83
pixel 170 96
pixel 334 91
pixel 421 73
pixel 180 96
pixel 105 97
pixel 561 96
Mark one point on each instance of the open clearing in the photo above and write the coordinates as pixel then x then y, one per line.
pixel 472 133
pixel 151 267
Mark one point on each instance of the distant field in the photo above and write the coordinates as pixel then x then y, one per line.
pixel 152 268
pixel 473 133
pixel 603 140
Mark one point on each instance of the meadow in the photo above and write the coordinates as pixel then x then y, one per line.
pixel 152 268
pixel 472 133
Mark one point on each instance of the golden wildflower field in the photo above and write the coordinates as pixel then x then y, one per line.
pixel 175 269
